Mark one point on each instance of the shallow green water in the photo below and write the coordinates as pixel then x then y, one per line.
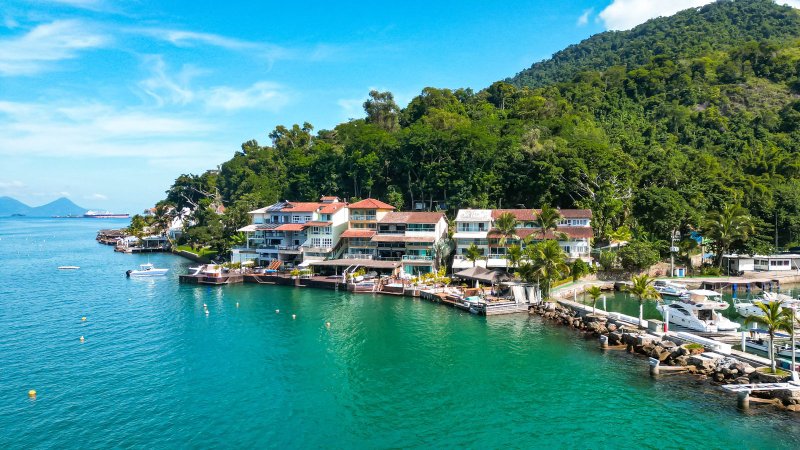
pixel 156 372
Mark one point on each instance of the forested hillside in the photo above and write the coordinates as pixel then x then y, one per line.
pixel 703 111
pixel 720 26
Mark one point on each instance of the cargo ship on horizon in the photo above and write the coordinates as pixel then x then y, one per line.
pixel 105 215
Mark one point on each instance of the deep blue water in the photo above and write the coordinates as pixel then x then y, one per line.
pixel 156 372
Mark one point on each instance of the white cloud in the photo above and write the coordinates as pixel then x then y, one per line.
pixel 96 130
pixel 261 95
pixel 96 197
pixel 626 14
pixel 352 108
pixel 13 184
pixel 584 18
pixel 64 194
pixel 177 90
pixel 39 48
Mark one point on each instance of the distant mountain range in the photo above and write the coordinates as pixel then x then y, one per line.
pixel 60 207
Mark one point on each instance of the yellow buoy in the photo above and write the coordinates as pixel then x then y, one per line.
pixel 32 393
pixel 83 319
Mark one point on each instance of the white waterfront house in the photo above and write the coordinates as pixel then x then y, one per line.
pixel 760 263
pixel 476 226
pixel 280 233
pixel 411 238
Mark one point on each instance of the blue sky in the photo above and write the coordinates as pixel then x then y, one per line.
pixel 107 102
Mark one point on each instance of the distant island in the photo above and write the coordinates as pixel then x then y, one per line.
pixel 59 207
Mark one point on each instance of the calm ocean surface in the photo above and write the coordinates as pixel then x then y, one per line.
pixel 156 372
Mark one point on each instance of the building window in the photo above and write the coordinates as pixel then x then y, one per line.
pixel 421 227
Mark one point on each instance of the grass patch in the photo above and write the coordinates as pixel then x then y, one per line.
pixel 694 346
pixel 778 371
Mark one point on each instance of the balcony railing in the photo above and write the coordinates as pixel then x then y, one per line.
pixel 356 256
pixel 291 248
pixel 362 217
pixel 417 258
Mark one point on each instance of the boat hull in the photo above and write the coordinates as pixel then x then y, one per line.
pixel 147 273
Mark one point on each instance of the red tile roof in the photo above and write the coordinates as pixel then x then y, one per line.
pixel 412 217
pixel 529 215
pixel 315 223
pixel 328 198
pixel 330 208
pixel 356 233
pixel 371 203
pixel 525 215
pixel 301 207
pixel 291 227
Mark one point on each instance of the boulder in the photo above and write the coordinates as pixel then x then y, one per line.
pixel 663 356
pixel 611 327
pixel 742 380
pixel 668 345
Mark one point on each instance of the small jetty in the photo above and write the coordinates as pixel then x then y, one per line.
pixel 213 274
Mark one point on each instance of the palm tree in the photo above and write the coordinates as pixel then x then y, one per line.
pixel 725 227
pixel 514 256
pixel 547 264
pixel 506 226
pixel 775 320
pixel 473 254
pixel 594 293
pixel 642 288
pixel 547 219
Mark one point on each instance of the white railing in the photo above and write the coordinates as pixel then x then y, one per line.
pixel 362 217
pixel 417 258
pixel 356 256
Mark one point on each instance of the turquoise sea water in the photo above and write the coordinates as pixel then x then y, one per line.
pixel 156 372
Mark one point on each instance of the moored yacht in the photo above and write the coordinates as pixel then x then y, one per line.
pixel 146 270
pixel 699 312
pixel 749 307
pixel 670 288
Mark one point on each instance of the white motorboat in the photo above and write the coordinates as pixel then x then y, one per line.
pixel 671 289
pixel 699 312
pixel 68 267
pixel 146 270
pixel 749 307
pixel 762 345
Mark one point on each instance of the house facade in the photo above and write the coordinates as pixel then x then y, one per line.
pixel 362 226
pixel 290 232
pixel 476 226
pixel 410 237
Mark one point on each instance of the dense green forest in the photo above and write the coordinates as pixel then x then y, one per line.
pixel 652 128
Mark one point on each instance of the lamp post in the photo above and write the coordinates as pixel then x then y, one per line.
pixel 672 249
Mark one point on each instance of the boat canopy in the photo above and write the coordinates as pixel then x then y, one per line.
pixel 705 292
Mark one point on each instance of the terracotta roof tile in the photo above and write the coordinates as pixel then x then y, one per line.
pixel 356 233
pixel 371 203
pixel 301 207
pixel 528 215
pixel 330 208
pixel 291 227
pixel 316 223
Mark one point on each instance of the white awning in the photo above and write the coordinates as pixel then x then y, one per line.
pixel 246 228
pixel 304 264
pixel 470 235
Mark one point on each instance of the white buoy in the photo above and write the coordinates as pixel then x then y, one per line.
pixel 82 339
pixel 277 311
pixel 206 312
pixel 237 304
pixel 294 316
pixel 328 324
pixel 205 306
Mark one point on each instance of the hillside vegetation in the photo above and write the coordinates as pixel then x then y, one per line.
pixel 651 128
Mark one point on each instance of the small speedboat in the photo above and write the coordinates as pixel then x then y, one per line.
pixel 748 308
pixel 762 345
pixel 68 267
pixel 670 289
pixel 146 270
